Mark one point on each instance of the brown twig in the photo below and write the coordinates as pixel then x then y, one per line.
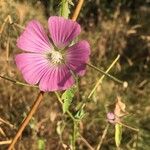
pixel 18 26
pixel 27 119
pixel 77 10
pixel 2 132
pixel 86 142
pixel 6 122
pixel 7 19
pixel 5 142
pixel 7 49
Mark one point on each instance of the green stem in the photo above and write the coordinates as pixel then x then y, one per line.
pixel 64 9
pixel 106 74
pixel 129 127
pixel 102 77
pixel 17 82
pixel 73 119
pixel 74 135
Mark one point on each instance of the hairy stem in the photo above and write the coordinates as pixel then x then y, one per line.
pixel 64 10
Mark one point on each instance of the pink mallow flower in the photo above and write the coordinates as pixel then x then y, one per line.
pixel 50 61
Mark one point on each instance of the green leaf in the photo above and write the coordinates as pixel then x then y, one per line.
pixel 80 114
pixel 67 97
pixel 118 134
pixel 41 144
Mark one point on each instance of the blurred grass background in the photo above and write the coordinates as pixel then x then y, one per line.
pixel 112 28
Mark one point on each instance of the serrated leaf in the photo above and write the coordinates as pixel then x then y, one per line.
pixel 118 134
pixel 67 97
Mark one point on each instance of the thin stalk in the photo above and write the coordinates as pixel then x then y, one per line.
pixel 6 122
pixel 74 136
pixel 103 137
pixel 86 142
pixel 5 142
pixel 17 82
pixel 18 25
pixel 106 74
pixel 27 119
pixel 102 77
pixel 129 127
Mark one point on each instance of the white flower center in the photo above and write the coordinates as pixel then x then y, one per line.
pixel 55 57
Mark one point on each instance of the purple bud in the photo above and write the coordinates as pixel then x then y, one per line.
pixel 111 117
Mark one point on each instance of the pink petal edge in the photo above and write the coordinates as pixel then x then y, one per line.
pixel 77 57
pixel 32 66
pixel 34 38
pixel 62 30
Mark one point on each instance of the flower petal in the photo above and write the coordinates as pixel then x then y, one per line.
pixel 62 30
pixel 32 65
pixel 56 78
pixel 77 57
pixel 34 38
